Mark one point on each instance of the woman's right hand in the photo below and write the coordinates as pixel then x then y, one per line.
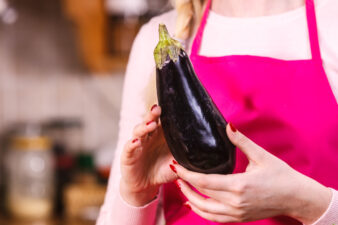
pixel 144 161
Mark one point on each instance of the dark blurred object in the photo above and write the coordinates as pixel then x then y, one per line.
pixel 103 174
pixel 66 136
pixel 29 174
pixel 84 196
pixel 103 158
pixel 65 131
pixel 85 163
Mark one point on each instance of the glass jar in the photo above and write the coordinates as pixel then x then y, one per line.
pixel 30 177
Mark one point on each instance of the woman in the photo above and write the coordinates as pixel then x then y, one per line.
pixel 278 90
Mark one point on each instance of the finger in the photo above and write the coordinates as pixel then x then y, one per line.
pixel 211 216
pixel 131 151
pixel 208 205
pixel 248 147
pixel 226 196
pixel 208 181
pixel 141 130
pixel 153 114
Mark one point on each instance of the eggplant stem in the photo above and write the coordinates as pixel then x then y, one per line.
pixel 163 33
pixel 167 48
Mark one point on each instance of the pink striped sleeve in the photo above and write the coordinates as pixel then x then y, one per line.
pixel 330 217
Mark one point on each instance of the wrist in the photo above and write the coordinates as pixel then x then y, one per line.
pixel 137 198
pixel 310 200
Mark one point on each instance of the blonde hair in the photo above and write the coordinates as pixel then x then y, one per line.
pixel 189 13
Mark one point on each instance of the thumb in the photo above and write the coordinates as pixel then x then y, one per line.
pixel 252 151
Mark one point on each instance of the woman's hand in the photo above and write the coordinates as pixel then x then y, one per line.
pixel 268 187
pixel 144 161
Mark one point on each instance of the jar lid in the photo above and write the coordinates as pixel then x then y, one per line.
pixel 38 143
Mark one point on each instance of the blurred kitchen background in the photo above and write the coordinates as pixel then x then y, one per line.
pixel 62 66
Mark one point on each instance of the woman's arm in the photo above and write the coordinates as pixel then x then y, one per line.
pixel 115 210
pixel 268 188
pixel 331 214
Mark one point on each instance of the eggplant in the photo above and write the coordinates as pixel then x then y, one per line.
pixel 192 124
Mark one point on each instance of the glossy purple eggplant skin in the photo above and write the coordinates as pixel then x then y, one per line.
pixel 193 126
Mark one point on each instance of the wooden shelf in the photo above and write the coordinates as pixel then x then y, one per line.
pixel 97 35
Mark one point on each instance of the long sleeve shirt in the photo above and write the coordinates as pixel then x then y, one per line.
pixel 282 36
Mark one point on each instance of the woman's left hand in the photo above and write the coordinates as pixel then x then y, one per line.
pixel 269 187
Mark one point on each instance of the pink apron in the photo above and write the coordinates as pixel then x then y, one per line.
pixel 287 107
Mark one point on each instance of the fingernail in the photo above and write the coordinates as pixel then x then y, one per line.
pixel 187 205
pixel 232 127
pixel 175 162
pixel 153 107
pixel 172 167
pixel 177 184
pixel 133 141
pixel 149 122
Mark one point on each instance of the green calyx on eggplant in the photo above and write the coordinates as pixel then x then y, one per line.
pixel 167 48
pixel 193 127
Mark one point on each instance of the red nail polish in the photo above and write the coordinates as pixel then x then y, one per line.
pixel 133 141
pixel 153 107
pixel 232 127
pixel 172 167
pixel 177 184
pixel 187 205
pixel 149 122
pixel 175 162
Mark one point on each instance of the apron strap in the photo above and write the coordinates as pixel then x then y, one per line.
pixel 311 23
pixel 313 31
pixel 198 38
